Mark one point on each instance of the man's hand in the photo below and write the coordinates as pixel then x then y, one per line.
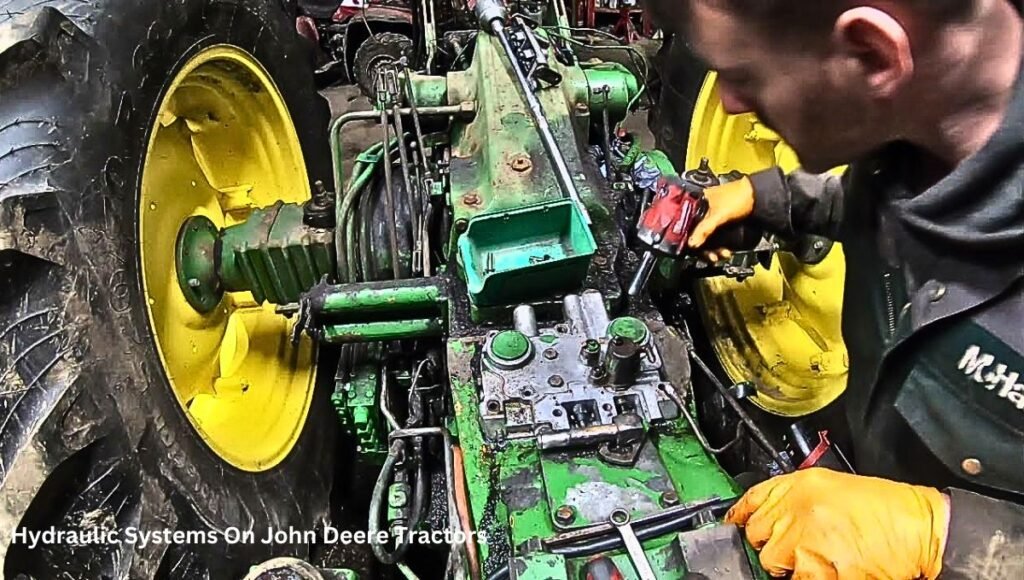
pixel 820 524
pixel 727 203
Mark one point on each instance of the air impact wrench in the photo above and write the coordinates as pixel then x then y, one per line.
pixel 666 226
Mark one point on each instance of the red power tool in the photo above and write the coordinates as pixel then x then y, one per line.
pixel 666 226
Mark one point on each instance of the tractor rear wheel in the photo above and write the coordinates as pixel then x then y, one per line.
pixel 120 407
pixel 780 329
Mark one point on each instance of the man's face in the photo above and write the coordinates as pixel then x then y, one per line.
pixel 810 95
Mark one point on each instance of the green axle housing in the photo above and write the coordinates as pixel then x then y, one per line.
pixel 273 254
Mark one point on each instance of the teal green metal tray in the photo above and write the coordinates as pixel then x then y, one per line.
pixel 517 255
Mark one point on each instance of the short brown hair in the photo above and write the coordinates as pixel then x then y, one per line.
pixel 824 12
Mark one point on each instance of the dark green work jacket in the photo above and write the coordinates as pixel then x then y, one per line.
pixel 933 319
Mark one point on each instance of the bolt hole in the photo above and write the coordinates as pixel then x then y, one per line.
pixel 493 406
pixel 527 392
pixel 556 412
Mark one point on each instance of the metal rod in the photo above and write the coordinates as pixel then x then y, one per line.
pixel 403 157
pixel 704 440
pixel 543 128
pixel 429 33
pixel 425 236
pixel 338 160
pixel 643 274
pixel 606 141
pixel 606 528
pixel 372 299
pixel 670 391
pixel 381 331
pixel 389 195
pixel 759 436
pixel 419 159
pixel 394 90
pixel 385 408
pixel 411 97
pixel 338 123
pixel 655 530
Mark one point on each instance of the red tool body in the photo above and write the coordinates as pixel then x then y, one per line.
pixel 666 226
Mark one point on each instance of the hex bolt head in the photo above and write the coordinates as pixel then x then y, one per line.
pixel 461 225
pixel 556 381
pixel 520 163
pixel 669 499
pixel 550 353
pixel 565 515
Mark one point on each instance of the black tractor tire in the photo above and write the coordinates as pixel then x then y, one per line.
pixel 680 77
pixel 375 51
pixel 91 436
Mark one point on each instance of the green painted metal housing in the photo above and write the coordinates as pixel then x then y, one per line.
pixel 356 400
pixel 516 489
pixel 378 311
pixel 515 238
pixel 611 87
pixel 273 254
pixel 382 330
pixel 514 232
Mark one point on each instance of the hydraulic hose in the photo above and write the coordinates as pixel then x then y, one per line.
pixel 502 573
pixel 376 501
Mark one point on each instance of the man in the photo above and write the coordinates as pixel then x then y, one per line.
pixel 926 99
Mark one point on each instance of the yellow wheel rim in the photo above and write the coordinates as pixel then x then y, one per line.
pixel 780 328
pixel 222 144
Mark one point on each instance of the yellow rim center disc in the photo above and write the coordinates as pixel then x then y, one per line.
pixel 781 328
pixel 223 144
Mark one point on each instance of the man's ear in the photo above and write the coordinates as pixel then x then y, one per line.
pixel 878 45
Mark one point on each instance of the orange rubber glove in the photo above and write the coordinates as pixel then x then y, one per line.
pixel 727 203
pixel 820 524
